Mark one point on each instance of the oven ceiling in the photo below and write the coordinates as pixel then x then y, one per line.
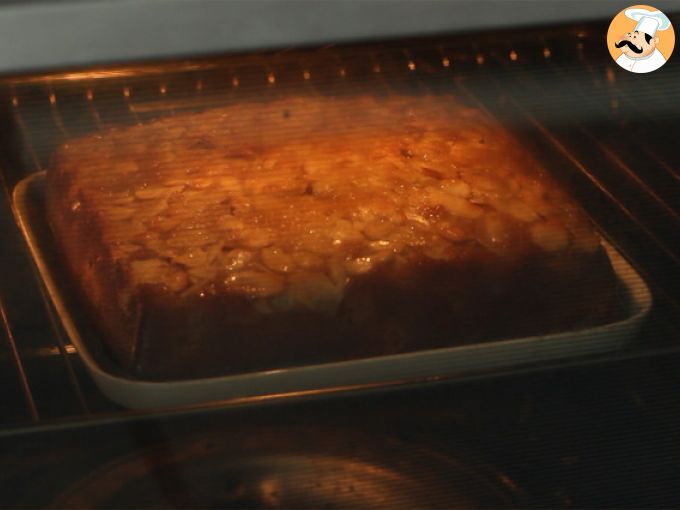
pixel 38 35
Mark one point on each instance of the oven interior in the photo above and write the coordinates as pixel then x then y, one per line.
pixel 608 135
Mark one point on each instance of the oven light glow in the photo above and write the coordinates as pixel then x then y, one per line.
pixel 480 59
pixel 513 55
pixel 546 52
pixel 446 62
pixel 163 89
pixel 117 73
pixel 306 75
pixel 89 95
pixel 199 85
pixel 376 68
pixel 271 78
pixel 234 82
pixel 15 101
pixel 611 77
pixel 343 72
pixel 126 92
pixel 411 65
pixel 53 99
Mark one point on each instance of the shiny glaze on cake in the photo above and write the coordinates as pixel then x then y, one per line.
pixel 321 210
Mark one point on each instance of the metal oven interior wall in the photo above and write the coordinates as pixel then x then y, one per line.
pixel 606 134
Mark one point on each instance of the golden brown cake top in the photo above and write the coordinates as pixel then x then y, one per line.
pixel 287 201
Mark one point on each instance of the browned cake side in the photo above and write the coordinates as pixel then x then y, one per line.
pixel 279 233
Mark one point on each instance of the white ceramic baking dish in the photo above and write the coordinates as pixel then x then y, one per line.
pixel 376 372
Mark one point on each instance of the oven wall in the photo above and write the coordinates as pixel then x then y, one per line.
pixel 42 34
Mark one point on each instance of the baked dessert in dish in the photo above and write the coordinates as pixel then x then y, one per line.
pixel 278 233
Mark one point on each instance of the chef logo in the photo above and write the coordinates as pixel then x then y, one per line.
pixel 640 39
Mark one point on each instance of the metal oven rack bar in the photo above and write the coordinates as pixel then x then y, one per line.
pixel 501 70
pixel 18 364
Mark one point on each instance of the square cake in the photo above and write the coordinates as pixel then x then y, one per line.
pixel 280 233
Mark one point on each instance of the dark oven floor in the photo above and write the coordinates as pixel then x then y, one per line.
pixel 602 436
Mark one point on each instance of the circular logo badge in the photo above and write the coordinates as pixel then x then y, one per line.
pixel 641 39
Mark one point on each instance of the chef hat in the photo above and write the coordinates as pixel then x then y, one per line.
pixel 648 21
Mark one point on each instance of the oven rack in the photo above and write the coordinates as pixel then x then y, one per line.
pixel 535 81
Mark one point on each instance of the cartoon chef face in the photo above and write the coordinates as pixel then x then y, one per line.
pixel 639 48
pixel 637 44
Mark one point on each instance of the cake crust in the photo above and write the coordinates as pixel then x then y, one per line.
pixel 277 233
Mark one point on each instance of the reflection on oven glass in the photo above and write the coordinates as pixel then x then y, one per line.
pixel 291 469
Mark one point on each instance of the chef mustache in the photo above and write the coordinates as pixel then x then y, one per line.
pixel 626 42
